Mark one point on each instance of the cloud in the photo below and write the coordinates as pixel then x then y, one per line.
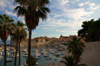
pixel 78 14
pixel 2 5
pixel 77 0
pixel 93 6
pixel 83 4
pixel 63 2
pixel 11 13
pixel 58 30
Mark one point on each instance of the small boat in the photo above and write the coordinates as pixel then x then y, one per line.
pixel 36 63
pixel 24 50
pixel 37 57
pixel 8 53
pixel 12 55
pixel 25 55
pixel 48 58
pixel 2 50
pixel 60 49
pixel 0 53
pixel 8 59
pixel 45 54
pixel 1 57
pixel 37 54
pixel 55 59
pixel 57 55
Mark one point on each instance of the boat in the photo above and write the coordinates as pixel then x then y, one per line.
pixel 1 47
pixel 57 55
pixel 55 59
pixel 60 49
pixel 1 57
pixel 0 53
pixel 8 59
pixel 43 51
pixel 36 63
pixel 36 57
pixel 37 54
pixel 45 54
pixel 25 55
pixel 24 50
pixel 48 58
pixel 51 51
pixel 8 53
pixel 2 50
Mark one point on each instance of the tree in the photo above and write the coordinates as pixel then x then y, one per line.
pixel 69 61
pixel 84 31
pixel 5 22
pixel 32 10
pixel 94 31
pixel 19 35
pixel 33 61
pixel 90 30
pixel 76 47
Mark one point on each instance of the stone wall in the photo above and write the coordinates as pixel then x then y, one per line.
pixel 25 43
pixel 91 54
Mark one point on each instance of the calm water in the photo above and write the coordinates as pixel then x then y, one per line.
pixel 8 42
pixel 42 61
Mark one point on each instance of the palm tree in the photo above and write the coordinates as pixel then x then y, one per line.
pixel 5 21
pixel 19 35
pixel 32 10
pixel 69 61
pixel 33 61
pixel 76 47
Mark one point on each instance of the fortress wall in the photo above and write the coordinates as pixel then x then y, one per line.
pixel 91 54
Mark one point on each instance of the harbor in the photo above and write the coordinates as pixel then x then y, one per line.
pixel 45 56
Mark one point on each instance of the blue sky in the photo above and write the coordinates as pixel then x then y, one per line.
pixel 65 18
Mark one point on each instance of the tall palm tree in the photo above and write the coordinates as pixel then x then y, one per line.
pixel 69 61
pixel 5 21
pixel 76 47
pixel 32 10
pixel 19 35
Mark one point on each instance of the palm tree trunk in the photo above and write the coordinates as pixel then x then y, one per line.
pixel 5 47
pixel 29 48
pixel 5 53
pixel 19 55
pixel 16 55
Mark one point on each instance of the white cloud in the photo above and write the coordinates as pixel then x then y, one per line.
pixel 78 14
pixel 77 0
pixel 11 13
pixel 58 30
pixel 93 6
pixel 63 2
pixel 82 4
pixel 2 5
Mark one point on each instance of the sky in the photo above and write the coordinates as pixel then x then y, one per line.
pixel 65 18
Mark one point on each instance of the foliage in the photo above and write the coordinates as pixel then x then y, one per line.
pixel 5 22
pixel 90 30
pixel 69 61
pixel 76 47
pixel 33 61
pixel 32 10
pixel 20 33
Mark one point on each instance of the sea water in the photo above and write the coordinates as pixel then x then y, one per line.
pixel 41 61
